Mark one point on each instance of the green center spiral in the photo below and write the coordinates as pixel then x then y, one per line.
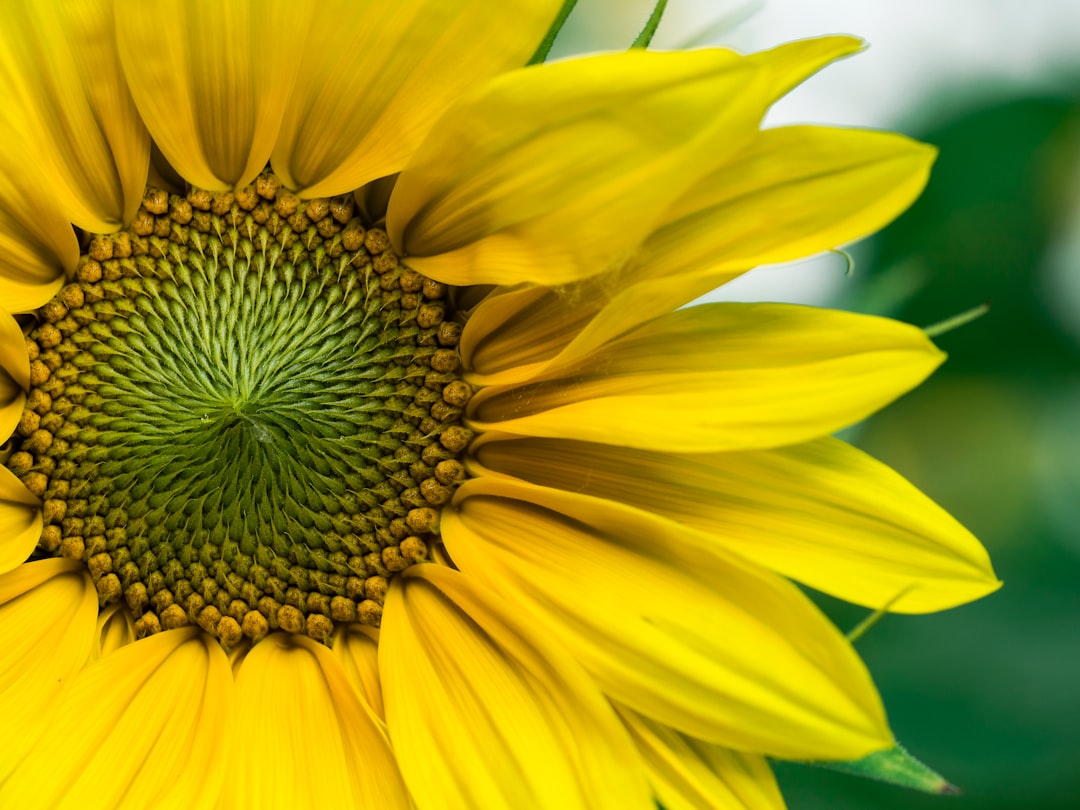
pixel 246 420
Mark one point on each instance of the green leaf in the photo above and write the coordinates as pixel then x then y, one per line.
pixel 897 767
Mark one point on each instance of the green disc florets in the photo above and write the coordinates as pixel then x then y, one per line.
pixel 245 414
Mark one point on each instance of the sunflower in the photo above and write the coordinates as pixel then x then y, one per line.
pixel 358 451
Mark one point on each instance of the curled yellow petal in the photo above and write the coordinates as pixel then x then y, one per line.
pixel 485 714
pixel 791 63
pixel 115 629
pixel 720 377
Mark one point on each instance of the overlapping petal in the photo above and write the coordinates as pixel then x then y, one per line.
pixel 310 740
pixel 822 513
pixel 37 243
pixel 213 91
pixel 688 774
pixel 406 62
pixel 65 94
pixel 20 521
pixel 483 713
pixel 115 629
pixel 713 647
pixel 791 192
pixel 356 645
pixel 14 375
pixel 47 612
pixel 558 172
pixel 720 377
pixel 148 726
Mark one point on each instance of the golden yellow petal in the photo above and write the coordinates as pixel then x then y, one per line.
pixel 484 713
pixel 710 645
pixel 20 521
pixel 720 377
pixel 37 243
pixel 14 375
pixel 115 629
pixel 47 612
pixel 148 726
pixel 356 646
pixel 558 172
pixel 793 192
pixel 66 95
pixel 688 774
pixel 822 513
pixel 752 210
pixel 522 333
pixel 310 741
pixel 213 91
pixel 375 76
pixel 792 63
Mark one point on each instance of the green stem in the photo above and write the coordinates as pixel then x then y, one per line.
pixel 549 38
pixel 647 33
pixel 956 321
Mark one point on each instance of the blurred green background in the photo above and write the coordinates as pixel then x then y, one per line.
pixel 989 693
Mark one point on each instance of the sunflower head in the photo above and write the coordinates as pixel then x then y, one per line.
pixel 244 412
pixel 359 449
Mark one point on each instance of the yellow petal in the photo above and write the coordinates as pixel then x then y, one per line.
pixel 47 612
pixel 822 513
pixel 115 629
pixel 792 192
pixel 20 521
pixel 559 171
pixel 688 774
pixel 212 92
pixel 148 726
pixel 37 243
pixel 356 646
pixel 485 714
pixel 375 76
pixel 66 94
pixel 721 377
pixel 712 646
pixel 519 334
pixel 14 375
pixel 793 62
pixel 310 741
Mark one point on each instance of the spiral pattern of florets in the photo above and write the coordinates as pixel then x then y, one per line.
pixel 244 414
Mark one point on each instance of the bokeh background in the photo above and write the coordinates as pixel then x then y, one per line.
pixel 987 694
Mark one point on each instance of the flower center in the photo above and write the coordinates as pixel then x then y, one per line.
pixel 244 414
